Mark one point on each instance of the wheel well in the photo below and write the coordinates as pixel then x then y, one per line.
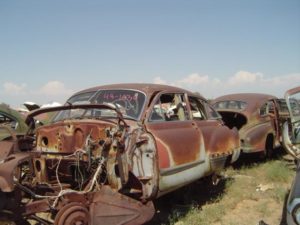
pixel 269 140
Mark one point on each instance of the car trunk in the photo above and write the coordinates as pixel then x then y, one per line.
pixel 233 119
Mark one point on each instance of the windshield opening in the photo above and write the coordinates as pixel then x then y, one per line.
pixel 129 102
pixel 83 98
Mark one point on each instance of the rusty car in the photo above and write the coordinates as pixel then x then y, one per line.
pixel 12 119
pixel 291 142
pixel 258 117
pixel 109 151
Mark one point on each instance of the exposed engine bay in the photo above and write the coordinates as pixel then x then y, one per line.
pixel 87 171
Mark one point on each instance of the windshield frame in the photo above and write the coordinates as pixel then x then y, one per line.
pixel 95 94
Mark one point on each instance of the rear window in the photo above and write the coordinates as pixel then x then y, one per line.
pixel 237 105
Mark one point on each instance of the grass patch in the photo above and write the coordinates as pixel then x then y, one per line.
pixel 277 171
pixel 279 194
pixel 240 198
pixel 205 216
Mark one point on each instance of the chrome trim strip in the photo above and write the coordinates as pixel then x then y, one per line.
pixel 177 169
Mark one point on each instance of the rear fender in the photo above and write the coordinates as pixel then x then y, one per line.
pixel 254 138
pixel 223 141
pixel 223 144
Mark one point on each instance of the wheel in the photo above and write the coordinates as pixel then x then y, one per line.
pixel 73 214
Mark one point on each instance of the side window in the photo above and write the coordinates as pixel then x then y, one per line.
pixel 271 107
pixel 197 109
pixel 212 113
pixel 158 112
pixel 267 108
pixel 263 109
pixel 169 107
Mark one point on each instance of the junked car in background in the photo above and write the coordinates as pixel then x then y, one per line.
pixel 109 151
pixel 291 142
pixel 11 121
pixel 258 117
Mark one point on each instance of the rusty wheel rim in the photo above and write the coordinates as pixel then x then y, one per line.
pixel 73 214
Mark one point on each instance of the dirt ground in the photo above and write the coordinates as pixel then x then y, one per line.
pixel 247 211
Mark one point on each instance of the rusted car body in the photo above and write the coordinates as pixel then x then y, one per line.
pixel 291 142
pixel 258 117
pixel 109 151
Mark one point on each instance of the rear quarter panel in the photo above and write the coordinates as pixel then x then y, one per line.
pixel 253 138
pixel 218 138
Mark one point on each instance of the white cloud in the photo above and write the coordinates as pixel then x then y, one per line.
pixel 193 79
pixel 14 89
pixel 216 81
pixel 17 94
pixel 289 79
pixel 158 80
pixel 244 77
pixel 240 82
pixel 55 88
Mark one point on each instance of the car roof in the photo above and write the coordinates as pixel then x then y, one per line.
pixel 147 88
pixel 246 97
pixel 253 100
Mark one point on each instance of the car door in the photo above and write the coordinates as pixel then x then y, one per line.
pixel 209 123
pixel 179 140
pixel 291 142
pixel 269 118
pixel 219 139
pixel 274 116
pixel 283 114
pixel 291 128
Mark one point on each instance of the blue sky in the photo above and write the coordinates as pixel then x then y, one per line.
pixel 51 49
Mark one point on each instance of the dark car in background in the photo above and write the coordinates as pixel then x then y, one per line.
pixel 258 117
